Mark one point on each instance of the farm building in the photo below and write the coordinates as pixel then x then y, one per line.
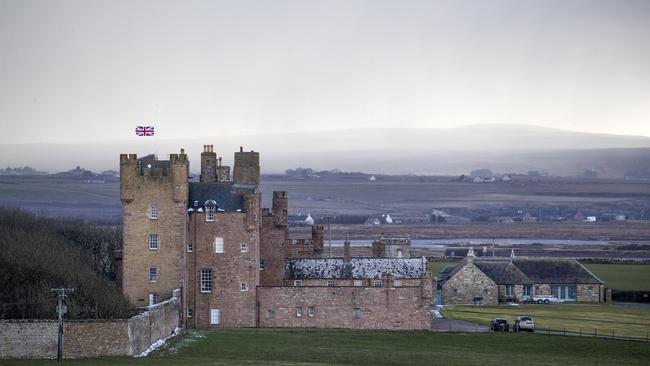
pixel 489 281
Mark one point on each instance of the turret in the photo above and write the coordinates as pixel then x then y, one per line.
pixel 128 173
pixel 208 164
pixel 280 208
pixel 247 167
pixel 179 167
pixel 317 235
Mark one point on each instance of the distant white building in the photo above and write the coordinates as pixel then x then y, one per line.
pixel 590 219
pixel 506 178
pixel 389 220
pixel 372 178
pixel 309 220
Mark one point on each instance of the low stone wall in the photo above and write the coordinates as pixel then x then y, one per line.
pixel 90 338
pixel 334 307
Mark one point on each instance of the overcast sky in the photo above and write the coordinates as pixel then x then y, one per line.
pixel 93 70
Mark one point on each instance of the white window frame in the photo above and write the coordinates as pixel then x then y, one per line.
pixel 510 290
pixel 209 213
pixel 206 280
pixel 156 242
pixel 298 311
pixel 190 247
pixel 153 298
pixel 243 287
pixel 244 248
pixel 261 265
pixel 297 283
pixel 153 274
pixel 311 311
pixel 377 283
pixel 397 283
pixel 189 312
pixel 215 316
pixel 219 245
pixel 331 283
pixel 153 212
pixel 358 283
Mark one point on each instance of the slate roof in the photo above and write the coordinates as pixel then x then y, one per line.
pixel 229 196
pixel 555 271
pixel 319 268
pixel 503 272
pixel 527 271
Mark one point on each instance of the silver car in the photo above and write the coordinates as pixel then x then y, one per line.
pixel 524 323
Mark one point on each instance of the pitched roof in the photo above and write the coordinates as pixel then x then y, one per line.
pixel 318 268
pixel 502 272
pixel 555 271
pixel 228 196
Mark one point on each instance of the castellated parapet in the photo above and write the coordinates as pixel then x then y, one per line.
pixel 247 167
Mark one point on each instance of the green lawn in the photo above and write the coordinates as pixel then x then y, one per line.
pixel 624 321
pixel 320 347
pixel 623 276
pixel 436 267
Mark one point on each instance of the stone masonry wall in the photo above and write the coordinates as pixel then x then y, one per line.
pixel 379 308
pixel 28 338
pixel 467 284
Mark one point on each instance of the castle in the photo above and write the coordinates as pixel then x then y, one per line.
pixel 235 262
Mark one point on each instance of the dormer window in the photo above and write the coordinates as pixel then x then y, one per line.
pixel 153 212
pixel 210 209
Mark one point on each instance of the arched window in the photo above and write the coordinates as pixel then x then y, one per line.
pixel 210 209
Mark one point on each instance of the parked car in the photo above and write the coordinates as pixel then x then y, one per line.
pixel 524 323
pixel 544 299
pixel 500 325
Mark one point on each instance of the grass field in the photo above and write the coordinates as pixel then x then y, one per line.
pixel 436 267
pixel 320 347
pixel 623 276
pixel 623 321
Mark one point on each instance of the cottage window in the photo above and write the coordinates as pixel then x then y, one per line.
pixel 243 287
pixel 154 241
pixel 153 299
pixel 206 280
pixel 356 313
pixel 311 311
pixel 244 248
pixel 153 274
pixel 397 283
pixel 377 283
pixel 190 247
pixel 331 283
pixel 215 316
pixel 358 283
pixel 270 313
pixel 510 290
pixel 527 290
pixel 298 311
pixel 153 212
pixel 218 245
pixel 297 283
pixel 209 213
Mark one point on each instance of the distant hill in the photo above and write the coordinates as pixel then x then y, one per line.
pixel 501 148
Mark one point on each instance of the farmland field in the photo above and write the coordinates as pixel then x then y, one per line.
pixel 623 321
pixel 623 276
pixel 321 347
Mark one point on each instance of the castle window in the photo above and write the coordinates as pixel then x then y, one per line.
pixel 244 248
pixel 297 283
pixel 153 212
pixel 153 274
pixel 206 280
pixel 153 299
pixel 377 283
pixel 218 245
pixel 154 241
pixel 261 267
pixel 331 283
pixel 311 311
pixel 356 313
pixel 209 213
pixel 298 311
pixel 215 316
pixel 243 287
pixel 270 313
pixel 397 283
pixel 358 283
pixel 189 312
pixel 190 247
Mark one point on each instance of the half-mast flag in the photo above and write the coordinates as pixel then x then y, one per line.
pixel 144 130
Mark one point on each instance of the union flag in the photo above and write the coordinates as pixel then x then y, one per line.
pixel 144 130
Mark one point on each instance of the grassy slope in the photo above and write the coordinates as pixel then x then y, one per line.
pixel 624 321
pixel 294 347
pixel 623 276
pixel 436 267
